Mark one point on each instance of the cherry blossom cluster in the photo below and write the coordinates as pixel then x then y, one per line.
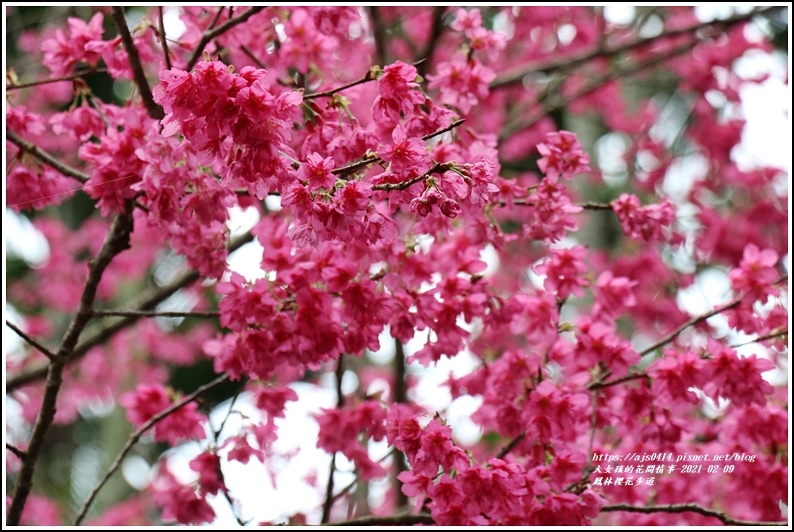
pixel 418 177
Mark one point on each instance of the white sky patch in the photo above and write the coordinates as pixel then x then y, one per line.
pixel 246 261
pixel 24 240
pixel 619 14
pixel 241 220
pixel 174 27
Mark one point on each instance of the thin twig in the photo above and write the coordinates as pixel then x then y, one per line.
pixel 70 77
pixel 510 446
pixel 137 436
pixel 146 301
pixel 450 127
pixel 369 76
pixel 355 481
pixel 210 34
pixel 19 454
pixel 389 520
pixel 117 240
pixel 374 158
pixel 43 350
pixel 627 378
pixel 687 507
pixel 340 402
pixel 669 337
pixel 777 333
pixel 561 63
pixel 253 58
pixel 435 35
pixel 157 313
pixel 45 158
pixel 216 18
pixel 436 169
pixel 590 206
pixel 166 55
pixel 154 109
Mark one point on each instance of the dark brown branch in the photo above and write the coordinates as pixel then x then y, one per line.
pixel 374 158
pixel 70 77
pixel 566 63
pixel 400 397
pixel 253 58
pixel 45 158
pixel 369 76
pixel 379 35
pixel 146 301
pixel 453 125
pixel 682 508
pixel 216 18
pixel 627 378
pixel 117 240
pixel 510 446
pixel 340 402
pixel 215 32
pixel 43 350
pixel 389 520
pixel 437 168
pixel 777 333
pixel 435 35
pixel 669 337
pixel 163 40
pixel 19 454
pixel 590 206
pixel 137 436
pixel 697 319
pixel 155 110
pixel 157 313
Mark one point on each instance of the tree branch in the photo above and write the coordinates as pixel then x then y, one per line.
pixel 379 35
pixel 44 351
pixel 777 333
pixel 19 454
pixel 675 332
pixel 157 313
pixel 697 319
pixel 155 110
pixel 510 446
pixel 254 58
pixel 688 507
pixel 436 169
pixel 389 520
pixel 166 55
pixel 400 397
pixel 137 436
pixel 45 158
pixel 369 76
pixel 589 206
pixel 117 240
pixel 555 64
pixel 70 77
pixel 435 35
pixel 145 301
pixel 340 402
pixel 374 158
pixel 211 33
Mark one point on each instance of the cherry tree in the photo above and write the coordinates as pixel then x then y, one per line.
pixel 531 196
